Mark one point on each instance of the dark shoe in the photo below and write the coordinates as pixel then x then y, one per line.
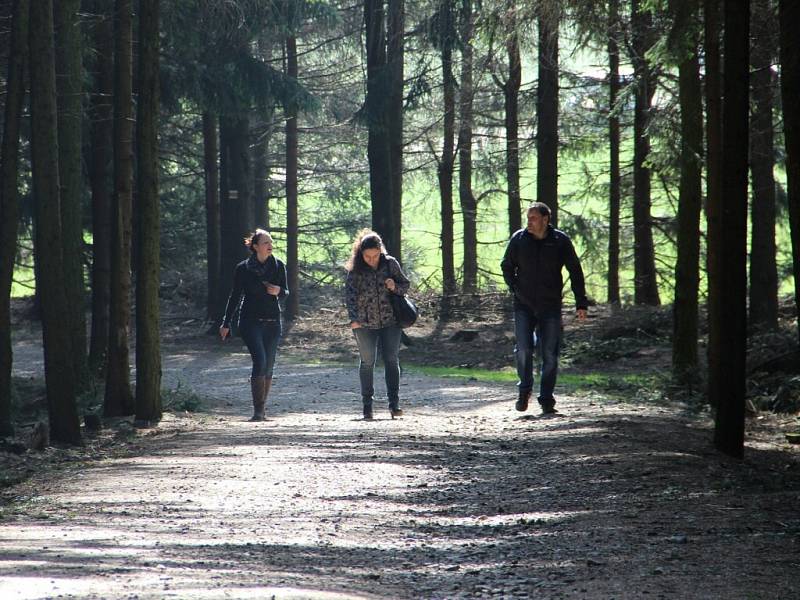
pixel 522 401
pixel 367 409
pixel 396 412
pixel 548 406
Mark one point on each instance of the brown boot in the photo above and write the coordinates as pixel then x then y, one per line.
pixel 265 395
pixel 257 385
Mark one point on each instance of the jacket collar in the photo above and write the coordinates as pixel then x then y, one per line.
pixel 550 233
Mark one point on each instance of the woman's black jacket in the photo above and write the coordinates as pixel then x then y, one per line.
pixel 249 291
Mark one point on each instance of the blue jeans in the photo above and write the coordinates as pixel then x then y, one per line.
pixel 367 341
pixel 262 339
pixel 542 328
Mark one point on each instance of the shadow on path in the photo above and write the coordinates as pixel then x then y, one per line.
pixel 461 498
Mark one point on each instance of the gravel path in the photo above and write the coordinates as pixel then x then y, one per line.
pixel 461 498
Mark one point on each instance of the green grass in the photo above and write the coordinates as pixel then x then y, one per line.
pixel 421 228
pixel 23 283
pixel 615 384
pixel 506 375
pixel 648 388
pixel 568 381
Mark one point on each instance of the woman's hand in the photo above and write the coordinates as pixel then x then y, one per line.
pixel 355 325
pixel 390 284
pixel 272 290
pixel 223 332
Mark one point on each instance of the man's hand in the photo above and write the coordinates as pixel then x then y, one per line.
pixel 272 290
pixel 390 284
pixel 582 312
pixel 355 325
pixel 223 332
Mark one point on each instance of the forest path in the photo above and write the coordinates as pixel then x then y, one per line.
pixel 461 498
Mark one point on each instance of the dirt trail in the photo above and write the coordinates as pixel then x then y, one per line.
pixel 462 498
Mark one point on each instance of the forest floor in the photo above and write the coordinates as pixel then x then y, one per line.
pixel 620 495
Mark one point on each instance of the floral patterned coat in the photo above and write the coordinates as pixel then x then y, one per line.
pixel 366 296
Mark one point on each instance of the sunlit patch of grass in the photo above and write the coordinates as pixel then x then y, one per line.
pixel 23 283
pixel 605 381
pixel 615 384
pixel 502 376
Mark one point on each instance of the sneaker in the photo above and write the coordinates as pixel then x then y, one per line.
pixel 522 401
pixel 548 407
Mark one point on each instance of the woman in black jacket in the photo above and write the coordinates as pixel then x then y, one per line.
pixel 258 283
pixel 371 276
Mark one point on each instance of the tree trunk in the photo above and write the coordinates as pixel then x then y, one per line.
pixel 547 116
pixel 59 370
pixel 378 143
pixel 293 280
pixel 713 91
pixel 148 347
pixel 729 426
pixel 789 16
pixel 511 105
pixel 101 115
pixel 261 192
pixel 447 163
pixel 687 267
pixel 263 128
pixel 69 86
pixel 614 187
pixel 645 283
pixel 260 176
pixel 230 252
pixel 763 267
pixel 9 198
pixel 118 395
pixel 240 174
pixel 395 51
pixel 469 204
pixel 213 252
pixel 236 181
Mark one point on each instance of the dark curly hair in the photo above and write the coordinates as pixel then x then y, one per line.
pixel 366 239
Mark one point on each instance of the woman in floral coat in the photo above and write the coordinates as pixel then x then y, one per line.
pixel 371 276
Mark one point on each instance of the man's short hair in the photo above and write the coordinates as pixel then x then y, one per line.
pixel 543 209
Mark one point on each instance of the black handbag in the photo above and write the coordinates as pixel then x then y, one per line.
pixel 404 309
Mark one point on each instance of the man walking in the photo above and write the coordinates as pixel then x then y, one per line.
pixel 532 267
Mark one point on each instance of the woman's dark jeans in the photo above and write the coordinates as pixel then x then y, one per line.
pixel 546 326
pixel 262 339
pixel 367 341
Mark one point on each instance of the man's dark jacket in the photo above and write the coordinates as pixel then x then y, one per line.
pixel 532 270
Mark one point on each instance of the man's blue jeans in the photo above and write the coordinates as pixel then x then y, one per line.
pixel 367 341
pixel 262 339
pixel 544 328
